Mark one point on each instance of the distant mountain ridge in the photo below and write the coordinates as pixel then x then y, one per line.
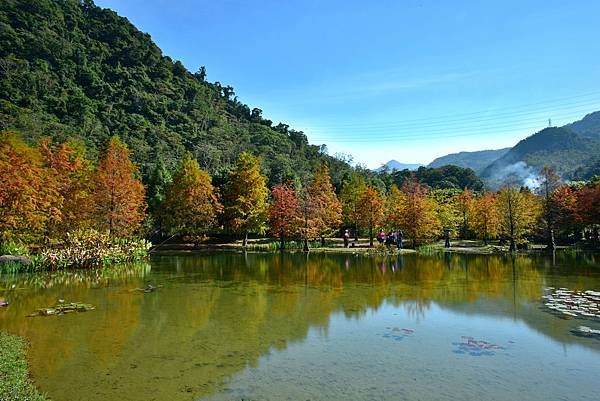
pixel 571 150
pixel 396 165
pixel 477 160
pixel 588 126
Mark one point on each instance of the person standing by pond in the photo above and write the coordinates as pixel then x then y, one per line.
pixel 381 236
pixel 399 239
pixel 346 238
pixel 447 238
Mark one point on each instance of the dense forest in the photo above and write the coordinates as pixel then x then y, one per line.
pixel 69 69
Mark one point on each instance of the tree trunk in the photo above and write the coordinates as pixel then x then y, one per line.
pixel 512 246
pixel 551 244
pixel 306 248
pixel 282 245
pixel 322 242
pixel 371 237
pixel 355 232
pixel 245 242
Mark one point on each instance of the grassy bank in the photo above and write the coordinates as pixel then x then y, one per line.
pixel 15 384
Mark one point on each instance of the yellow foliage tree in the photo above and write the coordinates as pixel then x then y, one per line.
pixel 370 209
pixel 418 217
pixel 245 197
pixel 485 220
pixel 518 210
pixel 191 204
pixel 349 197
pixel 326 207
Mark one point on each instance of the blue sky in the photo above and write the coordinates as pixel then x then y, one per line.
pixel 380 80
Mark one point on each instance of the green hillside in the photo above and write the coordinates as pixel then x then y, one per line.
pixel 558 147
pixel 71 69
pixel 588 126
pixel 476 161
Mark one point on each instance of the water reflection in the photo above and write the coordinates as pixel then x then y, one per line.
pixel 217 315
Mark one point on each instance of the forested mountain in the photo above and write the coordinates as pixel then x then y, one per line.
pixel 396 165
pixel 560 148
pixel 70 69
pixel 588 126
pixel 477 161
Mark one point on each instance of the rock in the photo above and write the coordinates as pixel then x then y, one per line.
pixel 22 260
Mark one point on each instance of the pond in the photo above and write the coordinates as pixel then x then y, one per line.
pixel 232 326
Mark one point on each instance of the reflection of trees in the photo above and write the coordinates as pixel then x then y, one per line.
pixel 216 314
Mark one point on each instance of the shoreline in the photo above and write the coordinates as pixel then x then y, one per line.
pixel 265 246
pixel 16 383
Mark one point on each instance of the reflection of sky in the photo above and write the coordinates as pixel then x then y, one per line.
pixel 277 321
pixel 353 360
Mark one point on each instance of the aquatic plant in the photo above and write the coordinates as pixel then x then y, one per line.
pixel 62 308
pixel 90 248
pixel 567 303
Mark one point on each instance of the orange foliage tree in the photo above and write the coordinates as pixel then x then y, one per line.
pixel 326 207
pixel 485 219
pixel 285 214
pixel 118 194
pixel 563 203
pixel 370 207
pixel 28 198
pixel 191 204
pixel 72 174
pixel 549 182
pixel 588 207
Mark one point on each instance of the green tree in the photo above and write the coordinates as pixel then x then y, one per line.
pixel 157 186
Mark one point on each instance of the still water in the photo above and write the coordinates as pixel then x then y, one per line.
pixel 231 326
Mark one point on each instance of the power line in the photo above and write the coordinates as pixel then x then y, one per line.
pixel 367 135
pixel 580 106
pixel 509 110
